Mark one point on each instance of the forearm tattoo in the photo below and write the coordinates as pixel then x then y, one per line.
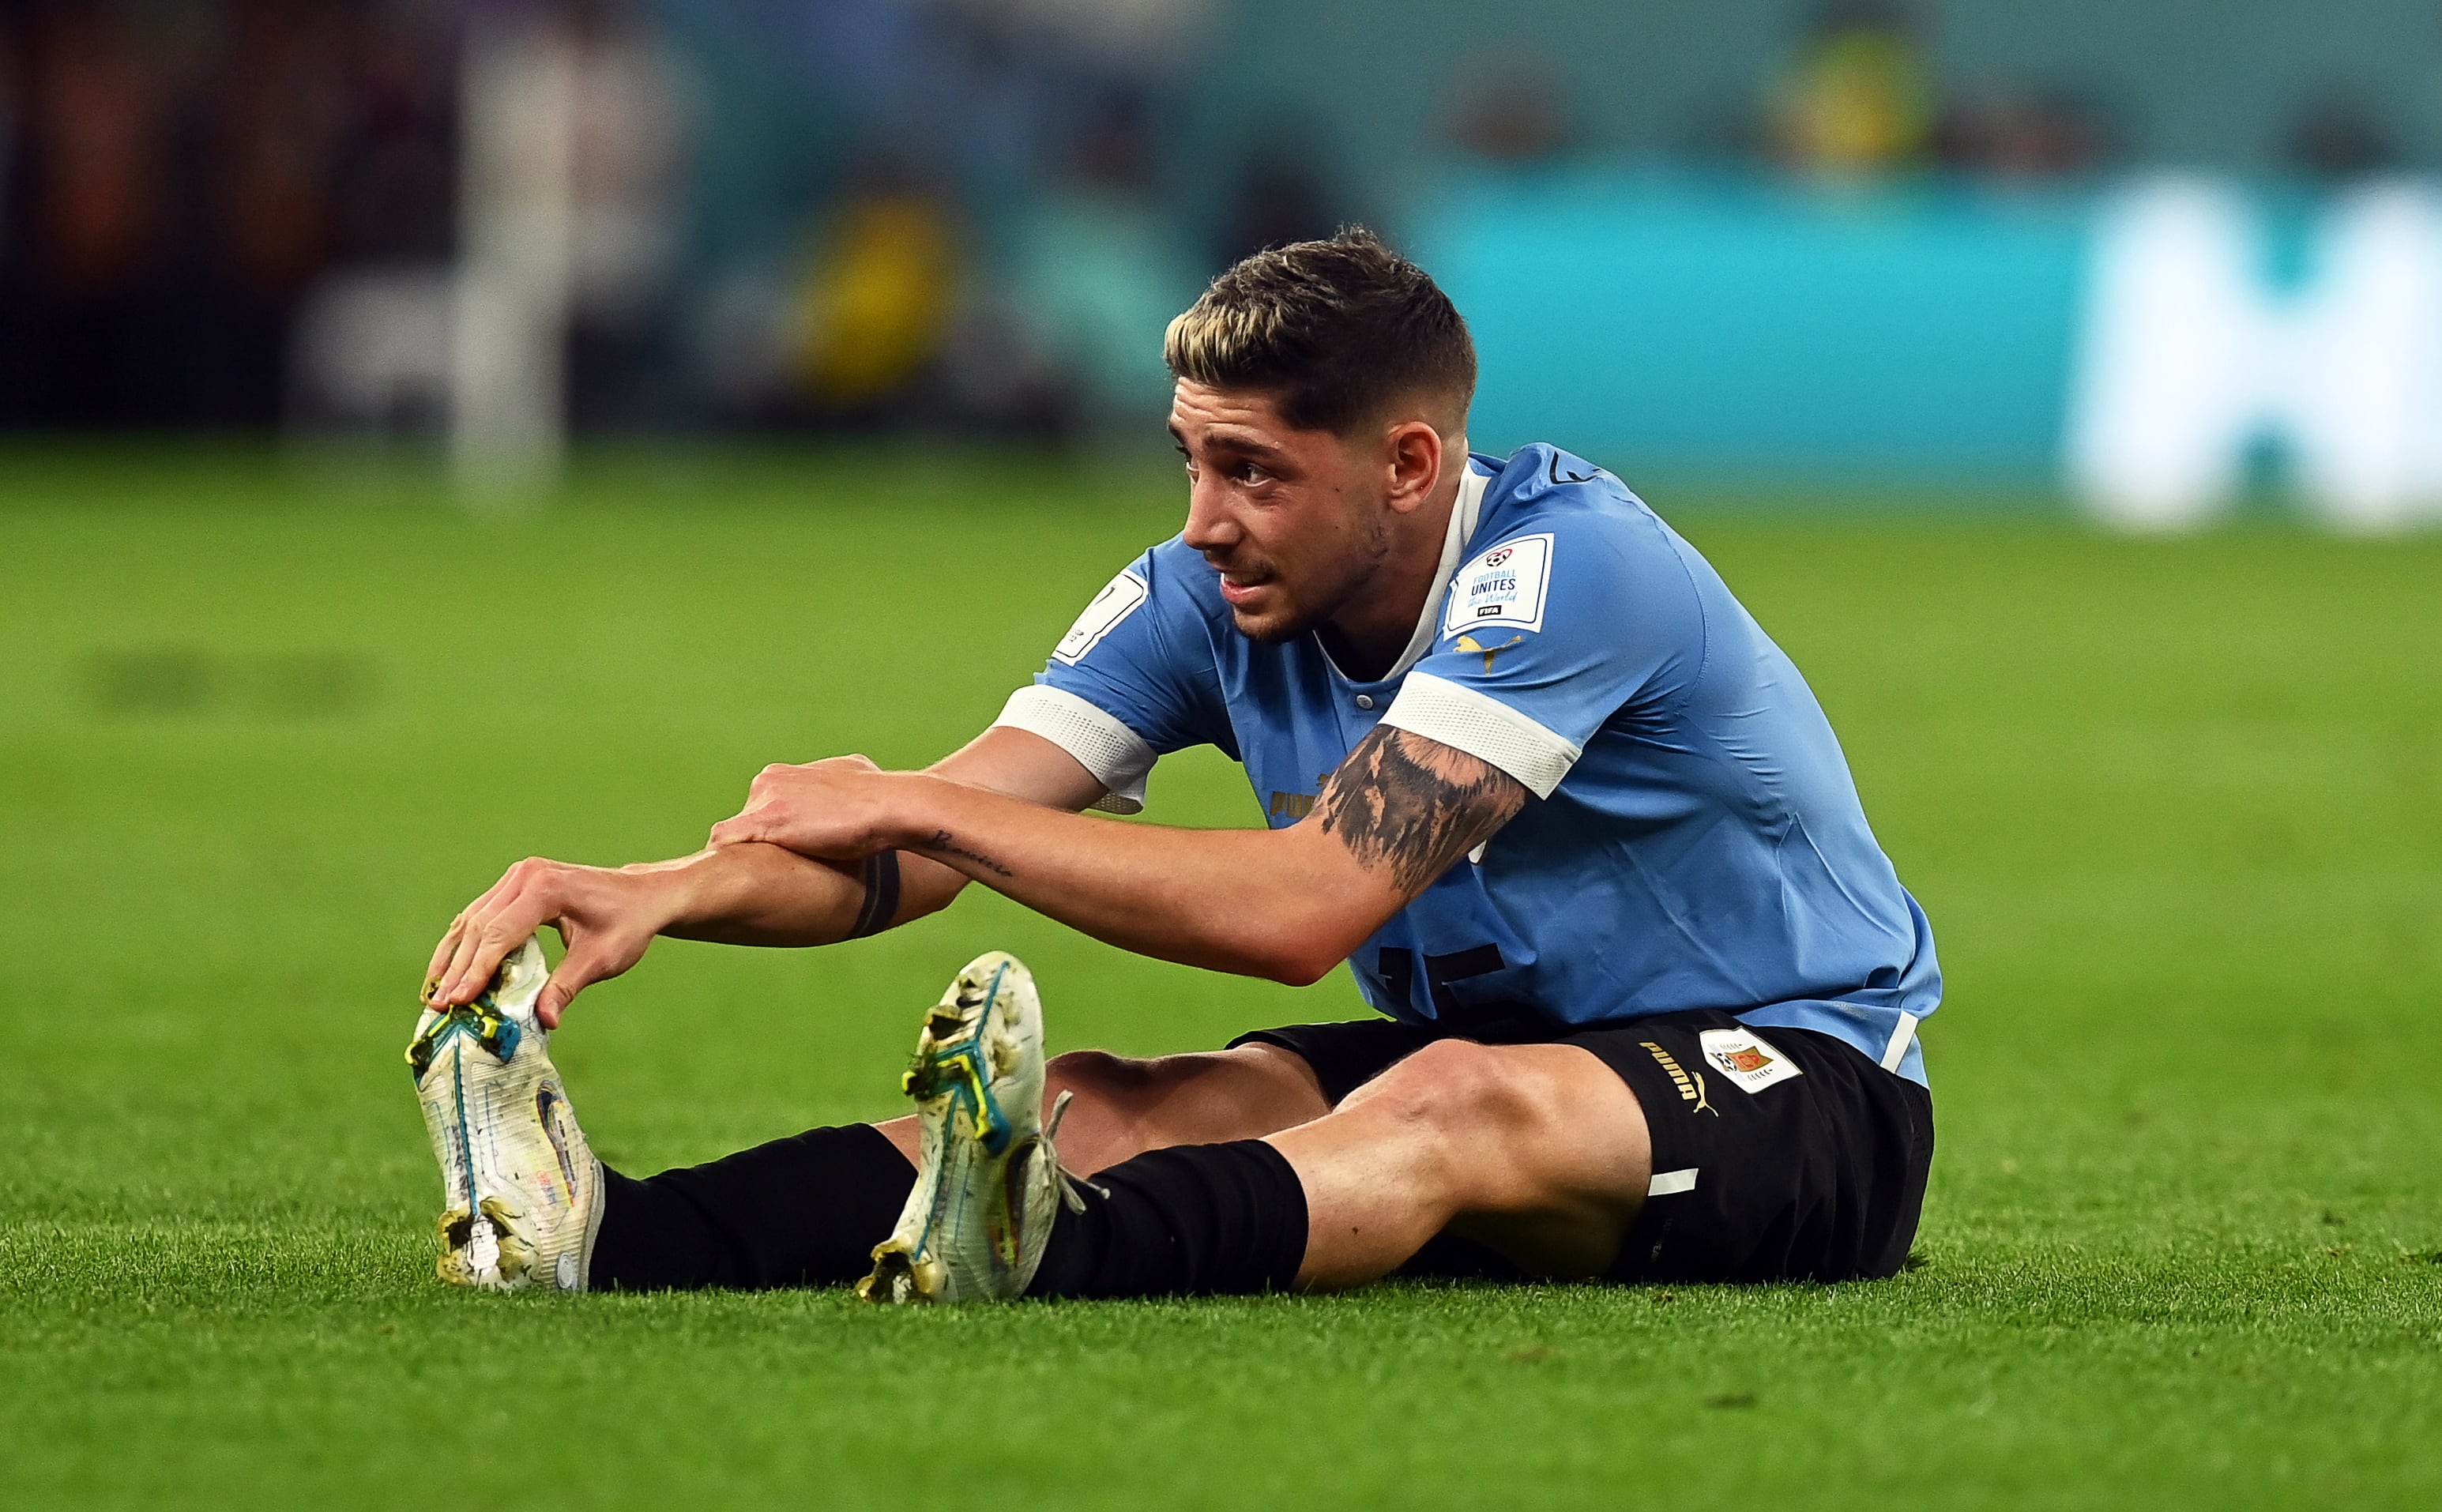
pixel 1415 804
pixel 943 844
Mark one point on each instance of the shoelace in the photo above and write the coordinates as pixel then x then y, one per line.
pixel 1066 1183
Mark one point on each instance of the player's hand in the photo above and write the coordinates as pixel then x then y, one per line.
pixel 836 809
pixel 605 919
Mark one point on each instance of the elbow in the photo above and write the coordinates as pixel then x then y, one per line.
pixel 1299 971
pixel 1311 915
pixel 1303 955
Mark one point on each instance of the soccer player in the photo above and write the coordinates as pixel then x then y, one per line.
pixel 1649 988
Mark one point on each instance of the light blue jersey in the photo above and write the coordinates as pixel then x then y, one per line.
pixel 1695 840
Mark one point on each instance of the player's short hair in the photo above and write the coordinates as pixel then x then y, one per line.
pixel 1335 331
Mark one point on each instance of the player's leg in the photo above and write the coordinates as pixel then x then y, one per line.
pixel 807 1210
pixel 1538 1152
pixel 528 1202
pixel 1535 1151
pixel 1687 1147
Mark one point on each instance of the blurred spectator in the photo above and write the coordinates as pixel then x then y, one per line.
pixel 182 175
pixel 2029 136
pixel 1514 118
pixel 397 177
pixel 1279 197
pixel 9 127
pixel 1128 42
pixel 93 207
pixel 2336 137
pixel 633 134
pixel 275 98
pixel 1101 268
pixel 875 301
pixel 369 341
pixel 1858 101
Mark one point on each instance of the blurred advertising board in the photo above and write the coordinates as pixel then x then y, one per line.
pixel 2157 347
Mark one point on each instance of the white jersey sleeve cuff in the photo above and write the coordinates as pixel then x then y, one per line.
pixel 1483 727
pixel 1116 756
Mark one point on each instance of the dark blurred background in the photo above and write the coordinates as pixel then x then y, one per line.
pixel 1773 237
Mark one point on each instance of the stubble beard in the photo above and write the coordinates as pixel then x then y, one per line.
pixel 1372 548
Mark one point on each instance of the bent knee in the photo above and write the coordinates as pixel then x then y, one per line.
pixel 1458 1084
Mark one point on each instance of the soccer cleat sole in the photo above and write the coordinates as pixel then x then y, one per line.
pixel 978 1149
pixel 520 1187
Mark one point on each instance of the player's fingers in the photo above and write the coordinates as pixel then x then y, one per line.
pixel 441 985
pixel 593 956
pixel 444 989
pixel 510 881
pixel 455 943
pixel 741 828
pixel 578 970
pixel 555 996
pixel 486 943
pixel 526 900
pixel 441 955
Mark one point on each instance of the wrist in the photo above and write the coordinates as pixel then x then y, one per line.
pixel 913 812
pixel 659 895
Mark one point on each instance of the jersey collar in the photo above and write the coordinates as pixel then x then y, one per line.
pixel 1471 484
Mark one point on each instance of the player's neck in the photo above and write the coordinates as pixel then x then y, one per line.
pixel 1365 638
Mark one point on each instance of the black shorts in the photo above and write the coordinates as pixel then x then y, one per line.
pixel 1778 1154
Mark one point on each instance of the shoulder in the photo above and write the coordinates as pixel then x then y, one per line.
pixel 1548 511
pixel 1166 597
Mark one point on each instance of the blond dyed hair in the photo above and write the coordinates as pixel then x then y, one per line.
pixel 1337 333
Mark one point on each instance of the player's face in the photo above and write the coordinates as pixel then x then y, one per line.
pixel 1294 521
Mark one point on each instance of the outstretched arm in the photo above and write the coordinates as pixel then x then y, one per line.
pixel 743 895
pixel 1288 904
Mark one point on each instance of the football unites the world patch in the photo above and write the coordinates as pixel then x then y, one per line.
pixel 1122 597
pixel 1749 1059
pixel 1504 586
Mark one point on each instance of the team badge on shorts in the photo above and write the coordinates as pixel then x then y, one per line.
pixel 1747 1059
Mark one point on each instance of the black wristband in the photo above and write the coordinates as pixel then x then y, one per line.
pixel 880 895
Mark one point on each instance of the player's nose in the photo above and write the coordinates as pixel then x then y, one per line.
pixel 1210 525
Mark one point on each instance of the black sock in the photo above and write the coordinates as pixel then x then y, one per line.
pixel 1194 1220
pixel 802 1212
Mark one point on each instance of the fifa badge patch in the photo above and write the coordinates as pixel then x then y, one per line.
pixel 1747 1059
pixel 1123 597
pixel 1504 586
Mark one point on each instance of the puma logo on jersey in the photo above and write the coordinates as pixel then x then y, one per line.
pixel 1297 805
pixel 1466 643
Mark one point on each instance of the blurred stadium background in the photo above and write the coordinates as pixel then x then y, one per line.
pixel 433 432
pixel 2160 255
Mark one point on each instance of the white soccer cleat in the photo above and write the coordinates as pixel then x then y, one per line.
pixel 521 1191
pixel 989 1184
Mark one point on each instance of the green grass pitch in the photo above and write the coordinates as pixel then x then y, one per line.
pixel 2175 808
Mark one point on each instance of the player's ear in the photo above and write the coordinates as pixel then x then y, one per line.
pixel 1413 456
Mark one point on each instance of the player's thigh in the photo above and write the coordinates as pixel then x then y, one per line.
pixel 1548 1149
